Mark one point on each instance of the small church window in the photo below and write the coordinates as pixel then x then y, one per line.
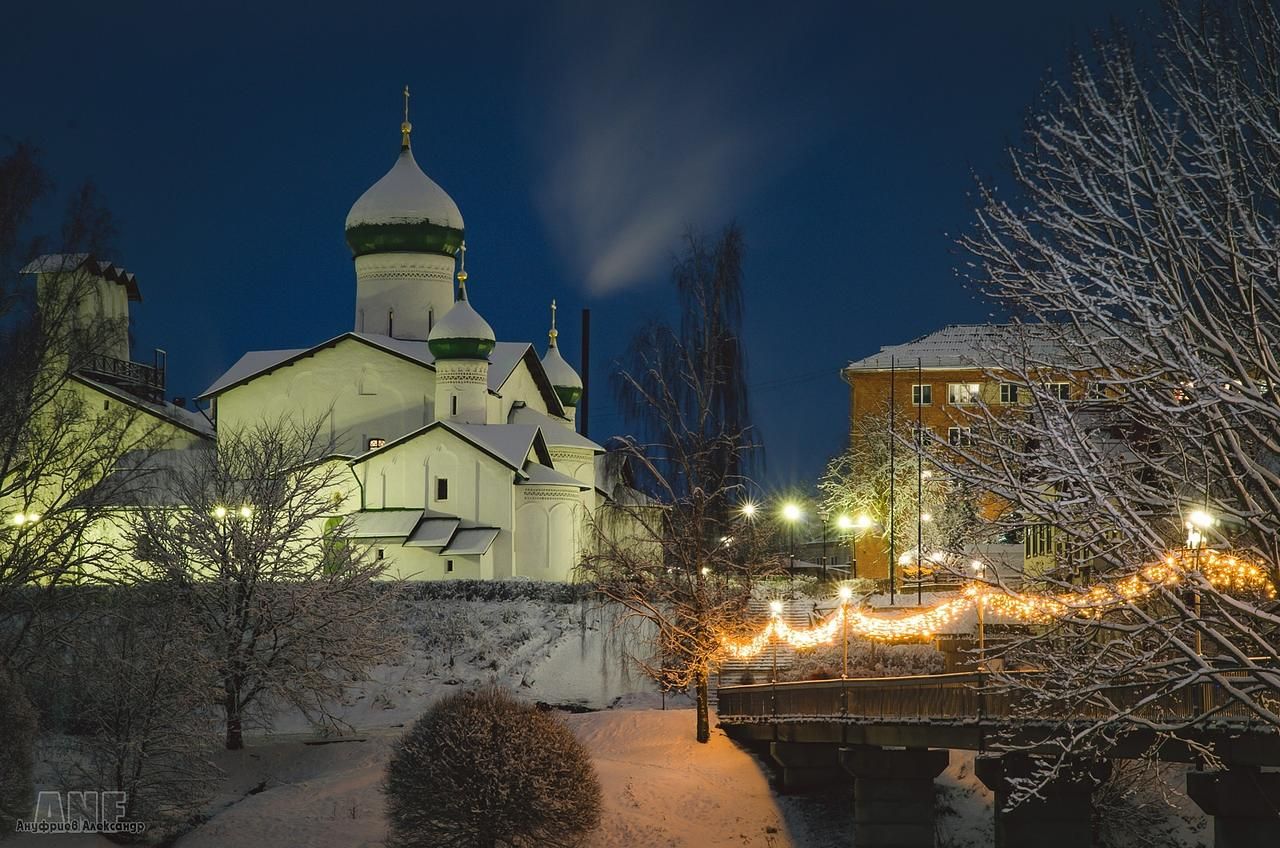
pixel 382 553
pixel 106 404
pixel 448 565
pixel 391 321
pixel 431 318
pixel 376 443
pixel 442 488
pixel 454 400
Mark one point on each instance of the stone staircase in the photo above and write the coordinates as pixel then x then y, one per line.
pixel 797 612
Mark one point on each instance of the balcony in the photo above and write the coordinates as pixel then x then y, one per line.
pixel 144 381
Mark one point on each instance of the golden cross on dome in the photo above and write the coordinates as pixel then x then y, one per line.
pixel 405 127
pixel 462 271
pixel 552 335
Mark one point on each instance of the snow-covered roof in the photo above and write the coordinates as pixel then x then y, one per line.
pixel 556 431
pixel 977 346
pixel 511 443
pixel 502 361
pixel 471 541
pixel 186 418
pixel 462 322
pixel 541 475
pixel 384 523
pixel 405 195
pixel 66 263
pixel 434 531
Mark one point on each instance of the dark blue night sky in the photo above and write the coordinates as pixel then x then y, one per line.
pixel 578 143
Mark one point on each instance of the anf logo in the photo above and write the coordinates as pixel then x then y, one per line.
pixel 81 812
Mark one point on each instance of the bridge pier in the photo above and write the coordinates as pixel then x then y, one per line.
pixel 1244 802
pixel 808 765
pixel 893 797
pixel 1059 819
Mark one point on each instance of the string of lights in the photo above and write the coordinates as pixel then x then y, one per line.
pixel 1224 572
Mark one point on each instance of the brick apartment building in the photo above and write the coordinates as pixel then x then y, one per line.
pixel 937 378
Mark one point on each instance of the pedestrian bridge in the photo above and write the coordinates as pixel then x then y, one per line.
pixel 892 736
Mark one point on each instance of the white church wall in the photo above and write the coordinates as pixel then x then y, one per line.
pixel 520 386
pixel 406 562
pixel 367 393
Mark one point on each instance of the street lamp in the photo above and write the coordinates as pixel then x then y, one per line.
pixel 1198 522
pixel 979 570
pixel 824 515
pixel 846 594
pixel 748 510
pixel 775 610
pixel 791 513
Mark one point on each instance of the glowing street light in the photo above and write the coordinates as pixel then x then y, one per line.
pixel 863 521
pixel 748 510
pixel 775 608
pixel 791 513
pixel 219 512
pixel 844 523
pixel 246 512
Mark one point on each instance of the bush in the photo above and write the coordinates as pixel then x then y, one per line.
pixel 17 739
pixel 481 768
pixel 498 590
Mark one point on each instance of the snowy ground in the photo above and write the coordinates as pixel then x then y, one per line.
pixel 294 786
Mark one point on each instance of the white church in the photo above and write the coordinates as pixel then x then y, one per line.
pixel 464 457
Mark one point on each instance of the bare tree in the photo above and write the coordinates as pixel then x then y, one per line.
pixel 680 555
pixel 142 723
pixel 1140 250
pixel 289 609
pixel 64 463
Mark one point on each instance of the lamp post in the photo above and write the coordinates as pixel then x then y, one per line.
pixel 824 515
pixel 1198 523
pixel 775 610
pixel 979 570
pixel 791 514
pixel 845 594
pixel 844 524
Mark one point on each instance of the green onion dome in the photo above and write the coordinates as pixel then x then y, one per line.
pixel 404 212
pixel 565 381
pixel 461 333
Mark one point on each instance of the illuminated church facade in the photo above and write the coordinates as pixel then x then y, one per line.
pixel 464 457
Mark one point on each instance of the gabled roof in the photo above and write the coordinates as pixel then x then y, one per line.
pixel 384 523
pixel 66 263
pixel 977 346
pixel 471 541
pixel 509 444
pixel 541 475
pixel 502 361
pixel 185 418
pixel 557 431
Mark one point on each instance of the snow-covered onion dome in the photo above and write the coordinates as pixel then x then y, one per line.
pixel 404 212
pixel 461 333
pixel 564 379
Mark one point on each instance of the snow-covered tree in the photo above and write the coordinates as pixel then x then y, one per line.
pixel 288 607
pixel 680 554
pixel 1140 247
pixel 64 462
pixel 885 480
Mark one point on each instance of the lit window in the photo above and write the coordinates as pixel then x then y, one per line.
pixel 1061 391
pixel 442 488
pixel 963 394
pixel 921 395
pixel 959 436
pixel 374 444
pixel 1008 392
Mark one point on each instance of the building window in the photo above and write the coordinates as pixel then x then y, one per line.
pixel 1008 392
pixel 381 553
pixel 448 565
pixel 1096 391
pixel 442 488
pixel 959 436
pixel 454 401
pixel 922 434
pixel 106 404
pixel 376 443
pixel 963 394
pixel 1038 541
pixel 921 394
pixel 1061 391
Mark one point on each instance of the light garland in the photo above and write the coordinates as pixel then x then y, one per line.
pixel 1222 571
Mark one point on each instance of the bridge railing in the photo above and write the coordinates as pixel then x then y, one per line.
pixel 960 696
